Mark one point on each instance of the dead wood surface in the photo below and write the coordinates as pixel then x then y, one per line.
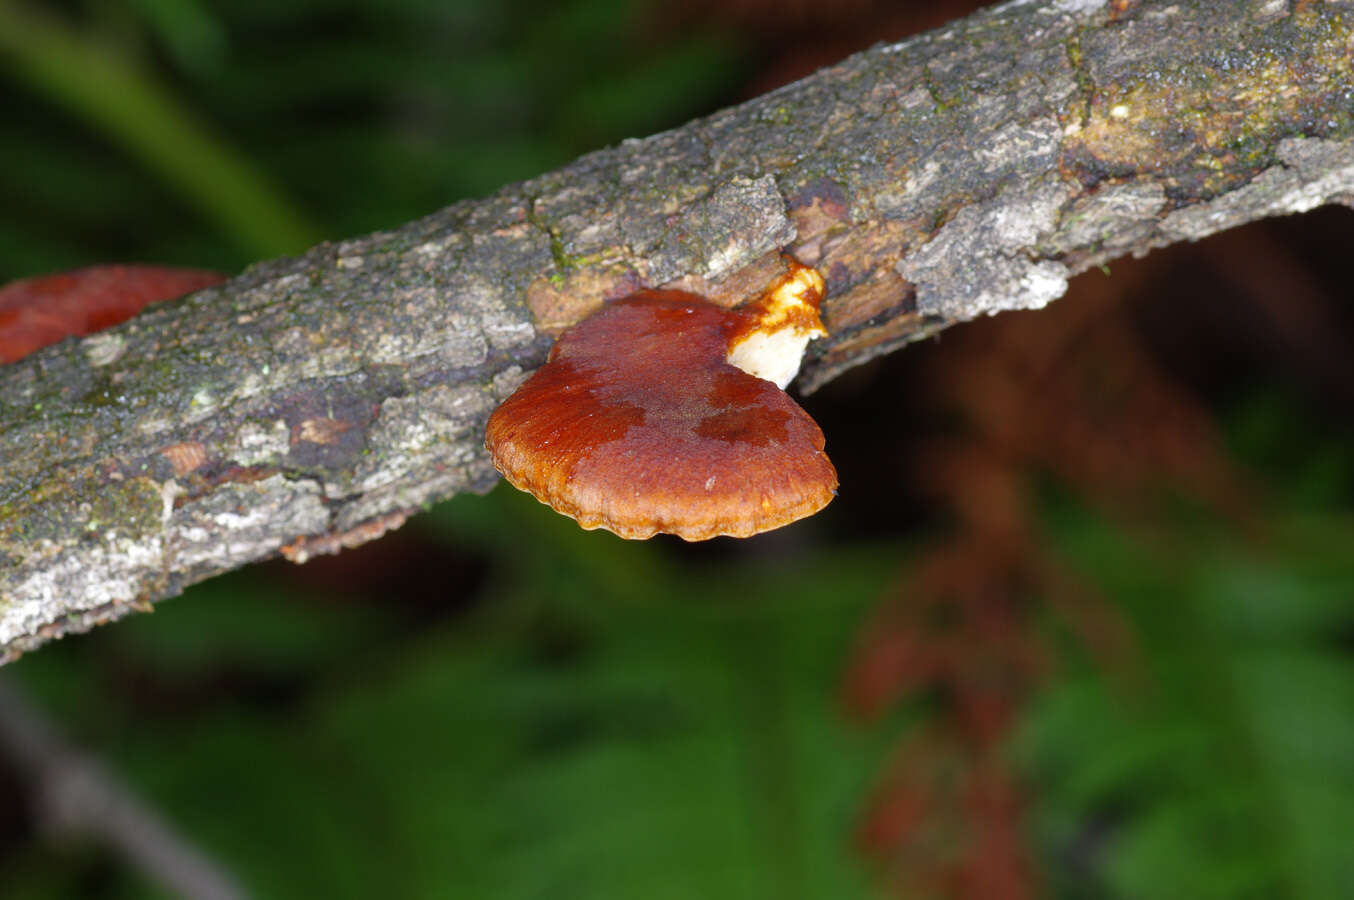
pixel 311 403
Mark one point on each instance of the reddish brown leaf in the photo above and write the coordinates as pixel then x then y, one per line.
pixel 35 312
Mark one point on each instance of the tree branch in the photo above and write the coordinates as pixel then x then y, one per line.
pixel 311 403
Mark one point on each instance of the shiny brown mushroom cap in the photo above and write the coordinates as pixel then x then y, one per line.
pixel 639 425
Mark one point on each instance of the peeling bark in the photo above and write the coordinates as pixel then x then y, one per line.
pixel 310 403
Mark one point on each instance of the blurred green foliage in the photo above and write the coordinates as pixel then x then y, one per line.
pixel 1217 763
pixel 598 718
pixel 179 131
pixel 613 724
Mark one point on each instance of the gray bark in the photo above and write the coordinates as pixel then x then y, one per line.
pixel 311 403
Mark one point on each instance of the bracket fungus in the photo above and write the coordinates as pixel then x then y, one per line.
pixel 664 412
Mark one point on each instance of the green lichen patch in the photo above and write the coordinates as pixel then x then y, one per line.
pixel 563 262
pixel 1085 83
pixel 1205 125
pixel 126 508
pixel 131 508
pixel 944 96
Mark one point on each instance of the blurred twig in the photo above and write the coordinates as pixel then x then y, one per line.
pixel 75 796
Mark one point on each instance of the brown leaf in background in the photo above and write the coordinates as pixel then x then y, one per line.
pixel 35 312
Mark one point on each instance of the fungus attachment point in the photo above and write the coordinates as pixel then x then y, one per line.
pixel 664 413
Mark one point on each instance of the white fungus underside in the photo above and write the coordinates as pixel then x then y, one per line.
pixel 775 350
pixel 775 356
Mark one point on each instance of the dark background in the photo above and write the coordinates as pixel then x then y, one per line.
pixel 1078 625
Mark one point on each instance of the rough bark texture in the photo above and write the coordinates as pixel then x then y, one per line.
pixel 310 403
